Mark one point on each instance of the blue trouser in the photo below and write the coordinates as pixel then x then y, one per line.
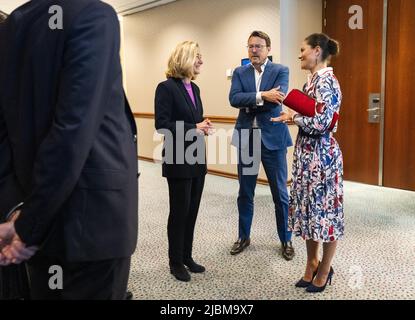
pixel 275 165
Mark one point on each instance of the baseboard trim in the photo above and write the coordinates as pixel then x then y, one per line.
pixel 220 173
pixel 213 118
pixel 233 176
pixel 146 159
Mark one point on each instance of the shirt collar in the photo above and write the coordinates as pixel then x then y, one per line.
pixel 319 73
pixel 263 65
pixel 324 70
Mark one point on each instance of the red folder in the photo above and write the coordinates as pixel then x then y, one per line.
pixel 306 105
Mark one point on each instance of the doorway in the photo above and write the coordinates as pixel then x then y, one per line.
pixel 375 70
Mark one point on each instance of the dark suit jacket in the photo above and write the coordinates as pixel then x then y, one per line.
pixel 176 116
pixel 67 134
pixel 275 136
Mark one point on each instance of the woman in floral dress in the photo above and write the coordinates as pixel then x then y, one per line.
pixel 316 197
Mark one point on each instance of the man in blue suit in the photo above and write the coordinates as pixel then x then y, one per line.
pixel 67 150
pixel 257 91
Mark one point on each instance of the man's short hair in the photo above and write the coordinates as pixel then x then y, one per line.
pixel 261 35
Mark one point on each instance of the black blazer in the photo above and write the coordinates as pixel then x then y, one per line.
pixel 67 134
pixel 176 116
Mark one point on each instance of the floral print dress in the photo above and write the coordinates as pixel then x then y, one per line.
pixel 316 196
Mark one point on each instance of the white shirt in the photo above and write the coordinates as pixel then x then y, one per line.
pixel 258 79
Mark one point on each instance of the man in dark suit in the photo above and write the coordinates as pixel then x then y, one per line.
pixel 257 91
pixel 67 150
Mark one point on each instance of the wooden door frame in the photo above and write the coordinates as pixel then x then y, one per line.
pixel 383 92
pixel 382 86
pixel 375 57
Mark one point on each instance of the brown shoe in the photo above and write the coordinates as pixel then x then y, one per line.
pixel 287 250
pixel 240 246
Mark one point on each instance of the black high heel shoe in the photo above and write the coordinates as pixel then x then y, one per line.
pixel 304 284
pixel 313 289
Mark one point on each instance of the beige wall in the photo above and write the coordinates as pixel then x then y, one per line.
pixel 299 18
pixel 221 27
pixel 150 143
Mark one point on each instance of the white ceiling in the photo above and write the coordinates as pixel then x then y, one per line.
pixel 123 7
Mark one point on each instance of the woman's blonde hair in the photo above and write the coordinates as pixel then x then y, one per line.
pixel 182 60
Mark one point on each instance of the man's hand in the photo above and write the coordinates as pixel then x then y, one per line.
pixel 273 95
pixel 13 250
pixel 285 116
pixel 6 230
pixel 13 217
pixel 7 233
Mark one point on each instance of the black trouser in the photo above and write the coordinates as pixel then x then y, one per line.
pixel 185 195
pixel 96 280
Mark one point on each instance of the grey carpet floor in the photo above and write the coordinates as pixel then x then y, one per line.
pixel 376 259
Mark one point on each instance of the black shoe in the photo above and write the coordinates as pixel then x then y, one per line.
pixel 314 289
pixel 180 272
pixel 128 295
pixel 304 284
pixel 287 250
pixel 240 246
pixel 194 267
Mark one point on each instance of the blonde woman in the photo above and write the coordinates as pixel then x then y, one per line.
pixel 179 115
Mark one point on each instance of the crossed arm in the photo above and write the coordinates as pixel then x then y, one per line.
pixel 238 98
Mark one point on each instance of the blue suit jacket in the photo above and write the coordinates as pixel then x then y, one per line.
pixel 275 136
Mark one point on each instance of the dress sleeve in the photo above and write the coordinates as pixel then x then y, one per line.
pixel 327 92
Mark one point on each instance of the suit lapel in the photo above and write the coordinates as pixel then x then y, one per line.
pixel 198 102
pixel 251 79
pixel 265 78
pixel 189 101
